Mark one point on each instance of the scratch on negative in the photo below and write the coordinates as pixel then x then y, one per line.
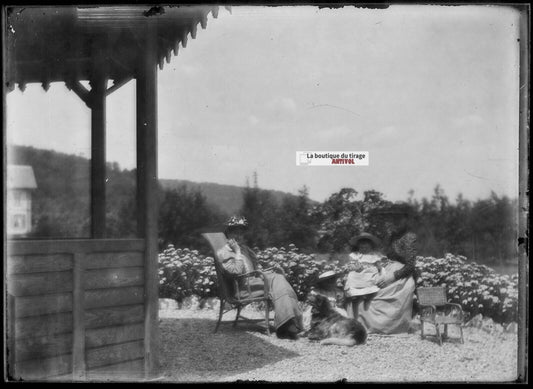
pixel 334 106
pixel 470 174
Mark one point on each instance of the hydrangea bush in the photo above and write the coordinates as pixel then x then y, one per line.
pixel 185 272
pixel 478 288
pixel 301 270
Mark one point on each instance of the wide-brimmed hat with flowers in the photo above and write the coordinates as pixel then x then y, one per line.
pixel 365 236
pixel 236 222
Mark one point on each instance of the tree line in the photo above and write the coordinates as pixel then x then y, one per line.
pixel 483 230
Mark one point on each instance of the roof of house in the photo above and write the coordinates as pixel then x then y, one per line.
pixel 20 177
pixel 68 43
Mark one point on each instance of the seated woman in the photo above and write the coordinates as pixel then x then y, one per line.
pixel 237 258
pixel 389 311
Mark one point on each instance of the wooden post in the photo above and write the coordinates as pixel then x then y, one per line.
pixel 523 198
pixel 97 103
pixel 78 318
pixel 147 185
pixel 11 320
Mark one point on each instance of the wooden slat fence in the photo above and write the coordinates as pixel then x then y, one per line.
pixel 76 308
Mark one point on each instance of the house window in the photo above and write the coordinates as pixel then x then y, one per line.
pixel 18 223
pixel 17 198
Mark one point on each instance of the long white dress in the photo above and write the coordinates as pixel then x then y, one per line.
pixel 363 282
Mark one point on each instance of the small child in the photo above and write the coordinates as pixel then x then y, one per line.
pixel 327 286
pixel 366 264
pixel 364 269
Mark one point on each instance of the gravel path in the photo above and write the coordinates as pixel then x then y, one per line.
pixel 191 352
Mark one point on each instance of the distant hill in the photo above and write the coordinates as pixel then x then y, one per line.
pixel 63 185
pixel 226 198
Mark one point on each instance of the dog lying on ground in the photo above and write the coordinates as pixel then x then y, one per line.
pixel 330 327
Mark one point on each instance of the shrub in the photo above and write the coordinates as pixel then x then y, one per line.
pixel 184 272
pixel 301 270
pixel 476 287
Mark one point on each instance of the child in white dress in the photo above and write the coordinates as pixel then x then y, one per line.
pixel 366 264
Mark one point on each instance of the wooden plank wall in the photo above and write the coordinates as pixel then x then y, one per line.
pixel 75 308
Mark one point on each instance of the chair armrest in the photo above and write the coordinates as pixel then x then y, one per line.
pixel 246 276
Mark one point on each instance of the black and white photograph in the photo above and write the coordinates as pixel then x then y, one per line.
pixel 299 193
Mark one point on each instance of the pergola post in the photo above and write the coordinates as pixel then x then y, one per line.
pixel 97 103
pixel 147 185
pixel 102 43
pixel 524 155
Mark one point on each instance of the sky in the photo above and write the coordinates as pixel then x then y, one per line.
pixel 431 92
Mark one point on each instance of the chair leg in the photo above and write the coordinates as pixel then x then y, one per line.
pixel 437 330
pixel 220 313
pixel 355 308
pixel 267 318
pixel 352 308
pixel 349 309
pixel 461 329
pixel 422 329
pixel 445 335
pixel 237 316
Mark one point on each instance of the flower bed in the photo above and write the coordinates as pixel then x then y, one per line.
pixel 301 270
pixel 477 288
pixel 184 272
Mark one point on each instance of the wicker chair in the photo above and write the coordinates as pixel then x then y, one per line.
pixel 238 291
pixel 435 309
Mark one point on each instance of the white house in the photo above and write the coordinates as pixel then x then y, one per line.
pixel 20 183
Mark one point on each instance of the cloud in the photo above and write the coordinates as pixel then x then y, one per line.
pixel 253 120
pixel 190 70
pixel 471 130
pixel 285 106
pixel 384 136
pixel 467 121
pixel 339 133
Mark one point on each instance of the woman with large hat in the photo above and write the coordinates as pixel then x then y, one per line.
pixel 389 310
pixel 238 259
